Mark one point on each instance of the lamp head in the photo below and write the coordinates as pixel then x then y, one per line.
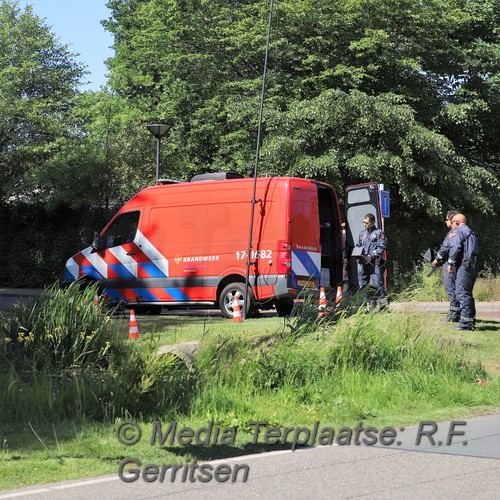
pixel 158 129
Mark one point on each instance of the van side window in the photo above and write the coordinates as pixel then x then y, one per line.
pixel 122 230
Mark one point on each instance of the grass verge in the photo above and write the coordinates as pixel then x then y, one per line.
pixel 384 369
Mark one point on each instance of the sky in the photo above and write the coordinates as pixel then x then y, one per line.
pixel 77 23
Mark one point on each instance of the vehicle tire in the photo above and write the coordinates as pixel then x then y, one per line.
pixel 227 297
pixel 284 308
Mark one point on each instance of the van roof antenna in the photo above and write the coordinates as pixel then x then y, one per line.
pixel 256 167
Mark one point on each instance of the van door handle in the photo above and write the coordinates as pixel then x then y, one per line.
pixel 130 253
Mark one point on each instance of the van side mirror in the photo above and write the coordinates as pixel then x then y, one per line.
pixel 97 242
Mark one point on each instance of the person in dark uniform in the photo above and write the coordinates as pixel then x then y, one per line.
pixel 373 241
pixel 464 259
pixel 448 278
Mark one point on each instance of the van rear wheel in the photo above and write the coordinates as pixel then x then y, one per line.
pixel 227 297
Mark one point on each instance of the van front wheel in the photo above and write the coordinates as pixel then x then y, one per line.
pixel 227 297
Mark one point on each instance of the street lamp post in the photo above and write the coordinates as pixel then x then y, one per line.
pixel 158 130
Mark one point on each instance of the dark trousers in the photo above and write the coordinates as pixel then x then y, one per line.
pixel 373 272
pixel 449 285
pixel 465 279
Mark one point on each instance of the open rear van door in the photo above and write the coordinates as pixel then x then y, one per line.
pixel 360 200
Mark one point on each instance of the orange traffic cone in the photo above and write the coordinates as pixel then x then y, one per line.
pixel 322 302
pixel 133 331
pixel 338 298
pixel 481 382
pixel 236 310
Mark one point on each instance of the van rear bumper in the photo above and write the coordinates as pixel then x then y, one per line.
pixel 283 288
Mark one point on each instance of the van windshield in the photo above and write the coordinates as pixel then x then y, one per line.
pixel 123 229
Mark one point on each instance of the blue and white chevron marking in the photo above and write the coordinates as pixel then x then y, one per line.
pixel 306 265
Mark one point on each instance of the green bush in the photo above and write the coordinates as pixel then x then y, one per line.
pixel 487 289
pixel 44 239
pixel 431 288
pixel 427 288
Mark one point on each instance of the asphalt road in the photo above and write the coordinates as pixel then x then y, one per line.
pixel 468 468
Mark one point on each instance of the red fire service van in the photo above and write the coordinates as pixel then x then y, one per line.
pixel 183 244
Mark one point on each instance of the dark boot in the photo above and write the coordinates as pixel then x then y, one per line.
pixel 464 326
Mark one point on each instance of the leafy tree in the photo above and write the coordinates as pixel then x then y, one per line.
pixel 38 82
pixel 61 146
pixel 403 91
pixel 108 160
pixel 471 114
pixel 199 65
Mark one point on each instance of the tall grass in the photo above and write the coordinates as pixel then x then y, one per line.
pixel 365 342
pixel 62 358
pixel 340 369
pixel 334 368
pixel 62 329
pixel 431 288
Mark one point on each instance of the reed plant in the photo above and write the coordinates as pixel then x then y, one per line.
pixel 62 329
pixel 63 358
